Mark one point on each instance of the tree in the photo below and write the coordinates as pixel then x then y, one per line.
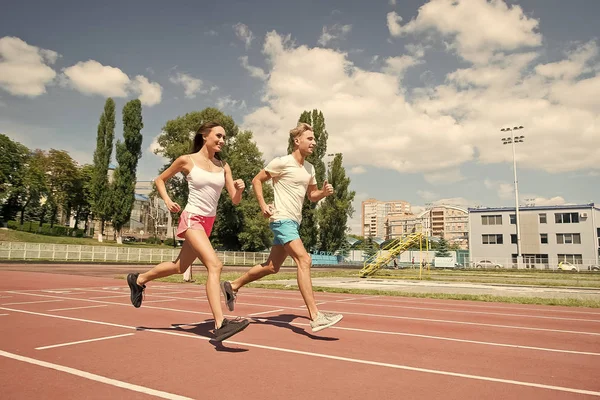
pixel 62 175
pixel 100 189
pixel 370 248
pixel 176 140
pixel 34 184
pixel 243 227
pixel 83 194
pixel 12 169
pixel 309 227
pixel 334 210
pixel 442 248
pixel 129 151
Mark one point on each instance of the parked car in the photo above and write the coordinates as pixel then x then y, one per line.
pixel 594 267
pixel 567 266
pixel 487 264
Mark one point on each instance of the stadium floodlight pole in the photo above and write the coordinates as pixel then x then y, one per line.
pixel 512 140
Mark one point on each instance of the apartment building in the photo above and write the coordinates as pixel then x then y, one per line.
pixel 375 212
pixel 445 221
pixel 549 235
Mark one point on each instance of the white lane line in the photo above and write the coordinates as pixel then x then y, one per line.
pixel 2 315
pixel 94 377
pixel 352 360
pixel 449 339
pixel 265 312
pixel 110 297
pixel 78 308
pixel 476 312
pixel 526 328
pixel 158 301
pixel 83 341
pixel 31 302
pixel 347 313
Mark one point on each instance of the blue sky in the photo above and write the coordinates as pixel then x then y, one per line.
pixel 414 93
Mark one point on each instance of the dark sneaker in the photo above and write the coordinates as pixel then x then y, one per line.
pixel 229 295
pixel 230 327
pixel 137 291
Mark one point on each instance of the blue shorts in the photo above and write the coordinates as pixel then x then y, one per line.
pixel 284 231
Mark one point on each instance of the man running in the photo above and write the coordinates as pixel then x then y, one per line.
pixel 293 178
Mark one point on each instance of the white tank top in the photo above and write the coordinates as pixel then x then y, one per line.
pixel 205 189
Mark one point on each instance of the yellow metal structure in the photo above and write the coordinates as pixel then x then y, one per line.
pixel 391 251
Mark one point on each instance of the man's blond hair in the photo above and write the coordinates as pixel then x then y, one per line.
pixel 300 129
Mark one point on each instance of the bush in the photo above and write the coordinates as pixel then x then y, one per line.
pixel 153 240
pixel 169 242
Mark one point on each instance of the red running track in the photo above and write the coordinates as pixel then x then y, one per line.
pixel 73 337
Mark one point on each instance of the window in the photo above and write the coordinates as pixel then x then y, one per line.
pixel 513 219
pixel 513 238
pixel 542 218
pixel 491 220
pixel 572 258
pixel 491 239
pixel 543 238
pixel 568 238
pixel 566 218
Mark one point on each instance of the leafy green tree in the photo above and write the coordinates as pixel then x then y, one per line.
pixel 129 151
pixel 101 195
pixel 62 174
pixel 335 210
pixel 34 184
pixel 13 156
pixel 83 194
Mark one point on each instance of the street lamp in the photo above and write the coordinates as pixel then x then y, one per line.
pixel 512 140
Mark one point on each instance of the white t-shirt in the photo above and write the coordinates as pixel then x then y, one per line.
pixel 290 182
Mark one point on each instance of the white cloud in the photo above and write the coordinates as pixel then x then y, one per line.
pixel 376 121
pixel 392 2
pixel 577 63
pixel 191 85
pixel 228 102
pixel 150 92
pixel 211 33
pixel 393 23
pixel 477 28
pixel 24 69
pixel 543 201
pixel 503 189
pixel 426 195
pixel 444 176
pixel 357 170
pixel 456 201
pixel 91 77
pixel 244 34
pixel 399 65
pixel 255 72
pixel 334 32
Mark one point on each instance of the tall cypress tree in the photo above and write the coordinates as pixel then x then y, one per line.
pixel 129 152
pixel 100 190
pixel 334 210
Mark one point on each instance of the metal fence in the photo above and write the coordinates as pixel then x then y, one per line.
pixel 80 253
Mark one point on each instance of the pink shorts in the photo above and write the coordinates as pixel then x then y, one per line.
pixel 194 221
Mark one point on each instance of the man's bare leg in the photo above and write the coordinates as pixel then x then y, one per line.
pixel 296 250
pixel 271 266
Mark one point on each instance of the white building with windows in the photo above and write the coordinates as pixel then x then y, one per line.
pixel 549 235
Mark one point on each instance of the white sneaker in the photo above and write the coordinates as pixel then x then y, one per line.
pixel 325 320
